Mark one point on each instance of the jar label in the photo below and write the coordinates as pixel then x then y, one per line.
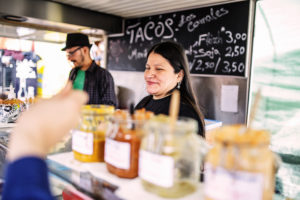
pixel 157 169
pixel 82 142
pixel 117 153
pixel 222 184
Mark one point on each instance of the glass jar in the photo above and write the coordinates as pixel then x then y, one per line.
pixel 240 165
pixel 89 138
pixel 122 146
pixel 10 110
pixel 170 157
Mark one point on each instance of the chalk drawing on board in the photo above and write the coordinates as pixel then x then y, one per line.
pixel 115 50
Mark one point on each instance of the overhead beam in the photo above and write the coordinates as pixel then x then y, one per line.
pixel 62 13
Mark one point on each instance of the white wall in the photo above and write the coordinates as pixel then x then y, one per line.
pixel 131 80
pixel 57 67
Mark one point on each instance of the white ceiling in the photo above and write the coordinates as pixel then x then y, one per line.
pixel 140 8
pixel 122 8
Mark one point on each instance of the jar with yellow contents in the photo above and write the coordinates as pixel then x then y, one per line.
pixel 88 139
pixel 240 165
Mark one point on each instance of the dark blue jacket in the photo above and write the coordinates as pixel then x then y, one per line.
pixel 27 179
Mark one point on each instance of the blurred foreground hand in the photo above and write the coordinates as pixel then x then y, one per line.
pixel 45 123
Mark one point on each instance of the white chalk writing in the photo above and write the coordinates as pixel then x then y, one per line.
pixel 193 23
pixel 135 54
pixel 161 29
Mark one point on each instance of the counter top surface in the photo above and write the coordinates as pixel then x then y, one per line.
pixel 129 189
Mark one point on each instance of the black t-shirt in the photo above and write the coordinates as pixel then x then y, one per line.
pixel 161 106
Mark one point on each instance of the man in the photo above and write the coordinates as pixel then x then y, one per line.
pixel 86 74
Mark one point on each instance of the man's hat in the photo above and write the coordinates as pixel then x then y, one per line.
pixel 76 39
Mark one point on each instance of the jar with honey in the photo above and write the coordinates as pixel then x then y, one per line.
pixel 240 165
pixel 88 139
pixel 123 142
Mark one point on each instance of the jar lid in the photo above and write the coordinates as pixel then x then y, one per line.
pixel 98 109
pixel 182 124
pixel 238 134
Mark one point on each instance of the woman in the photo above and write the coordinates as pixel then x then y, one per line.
pixel 167 69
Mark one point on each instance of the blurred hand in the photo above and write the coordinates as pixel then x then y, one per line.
pixel 45 123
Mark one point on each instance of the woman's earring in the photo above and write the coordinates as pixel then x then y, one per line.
pixel 178 85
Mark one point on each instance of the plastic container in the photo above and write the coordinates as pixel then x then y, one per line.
pixel 240 165
pixel 88 140
pixel 170 158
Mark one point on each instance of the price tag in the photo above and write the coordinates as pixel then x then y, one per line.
pixel 117 153
pixel 221 184
pixel 157 169
pixel 83 142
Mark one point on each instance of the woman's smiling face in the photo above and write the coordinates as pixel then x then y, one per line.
pixel 160 76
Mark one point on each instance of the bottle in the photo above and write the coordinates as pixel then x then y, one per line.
pixel 22 93
pixel 11 93
pixel 30 97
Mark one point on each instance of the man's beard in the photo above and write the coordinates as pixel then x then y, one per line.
pixel 80 65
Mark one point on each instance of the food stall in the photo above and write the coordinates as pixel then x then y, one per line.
pixel 220 58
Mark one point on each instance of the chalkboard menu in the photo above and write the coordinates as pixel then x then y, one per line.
pixel 215 39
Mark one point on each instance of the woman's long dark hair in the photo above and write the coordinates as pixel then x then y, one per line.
pixel 176 56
